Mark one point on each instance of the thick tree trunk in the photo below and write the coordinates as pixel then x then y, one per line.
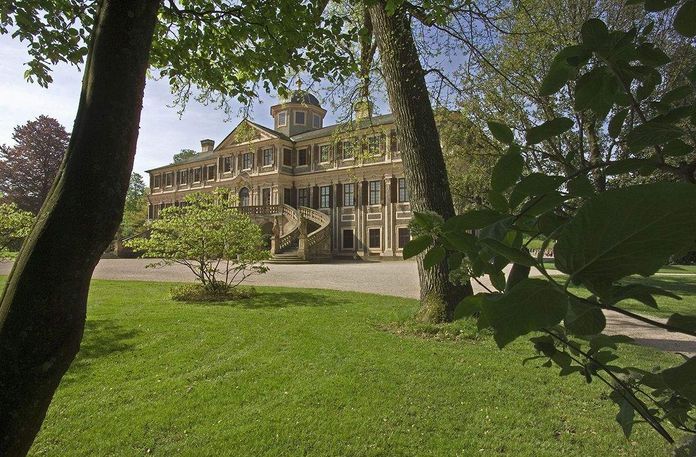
pixel 419 143
pixel 43 307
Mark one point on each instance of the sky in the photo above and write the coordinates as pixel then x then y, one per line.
pixel 163 132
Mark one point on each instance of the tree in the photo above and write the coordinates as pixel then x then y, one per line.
pixel 224 49
pixel 209 236
pixel 15 225
pixel 184 155
pixel 419 142
pixel 28 168
pixel 602 237
pixel 135 209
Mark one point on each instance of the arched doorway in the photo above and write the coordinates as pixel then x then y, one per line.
pixel 244 197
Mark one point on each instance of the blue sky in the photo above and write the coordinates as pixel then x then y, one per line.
pixel 162 131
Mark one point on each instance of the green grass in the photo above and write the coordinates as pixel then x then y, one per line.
pixel 315 373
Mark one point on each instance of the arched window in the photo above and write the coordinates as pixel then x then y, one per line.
pixel 244 197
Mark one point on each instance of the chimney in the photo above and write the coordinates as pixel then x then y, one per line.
pixel 363 109
pixel 207 145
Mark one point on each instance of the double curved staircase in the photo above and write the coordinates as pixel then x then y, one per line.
pixel 293 241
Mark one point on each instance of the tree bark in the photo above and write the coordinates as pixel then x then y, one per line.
pixel 419 141
pixel 43 307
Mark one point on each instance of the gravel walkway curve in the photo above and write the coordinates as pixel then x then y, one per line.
pixel 397 278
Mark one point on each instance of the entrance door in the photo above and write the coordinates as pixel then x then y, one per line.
pixel 265 197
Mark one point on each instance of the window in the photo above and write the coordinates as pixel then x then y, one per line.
pixel 302 157
pixel 247 160
pixel 348 152
pixel 266 196
pixel 287 157
pixel 227 164
pixel 325 197
pixel 404 236
pixel 211 171
pixel 183 177
pixel 157 182
pixel 373 146
pixel 300 117
pixel 316 121
pixel 197 175
pixel 374 236
pixel 303 197
pixel 282 119
pixel 349 194
pixel 244 197
pixel 324 153
pixel 267 157
pixel 168 179
pixel 375 194
pixel 403 192
pixel 348 239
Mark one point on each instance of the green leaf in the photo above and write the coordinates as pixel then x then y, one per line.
pixel 469 306
pixel 677 95
pixel 548 130
pixel 594 34
pixel 417 245
pixel 659 5
pixel 461 241
pixel 531 305
pixel 676 148
pixel 640 292
pixel 628 166
pixel 434 257
pixel 501 132
pixel 681 379
pixel 627 231
pixel 426 221
pixel 506 171
pixel 563 68
pixel 512 254
pixel 498 201
pixel 685 20
pixel 472 220
pixel 626 412
pixel 652 56
pixel 682 321
pixel 497 279
pixel 596 90
pixel 651 133
pixel 534 184
pixel 616 123
pixel 581 186
pixel 584 319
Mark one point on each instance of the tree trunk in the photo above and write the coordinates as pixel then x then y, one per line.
pixel 598 177
pixel 43 307
pixel 419 141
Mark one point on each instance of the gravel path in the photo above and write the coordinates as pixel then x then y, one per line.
pixel 397 278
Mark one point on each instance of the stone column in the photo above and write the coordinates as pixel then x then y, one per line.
pixel 302 249
pixel 387 224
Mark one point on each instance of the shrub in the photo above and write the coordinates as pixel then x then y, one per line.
pixel 200 293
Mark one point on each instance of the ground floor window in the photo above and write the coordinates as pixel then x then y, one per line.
pixel 244 197
pixel 404 236
pixel 303 197
pixel 325 196
pixel 348 239
pixel 374 238
pixel 349 194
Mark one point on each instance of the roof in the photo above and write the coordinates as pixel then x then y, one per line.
pixel 329 130
pixel 304 97
pixel 318 133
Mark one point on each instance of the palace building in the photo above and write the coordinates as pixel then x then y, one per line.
pixel 318 191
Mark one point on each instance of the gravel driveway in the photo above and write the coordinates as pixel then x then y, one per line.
pixel 398 278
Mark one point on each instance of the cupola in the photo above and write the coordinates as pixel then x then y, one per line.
pixel 298 113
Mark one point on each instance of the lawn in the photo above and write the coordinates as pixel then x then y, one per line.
pixel 313 372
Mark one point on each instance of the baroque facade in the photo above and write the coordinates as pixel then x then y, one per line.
pixel 319 191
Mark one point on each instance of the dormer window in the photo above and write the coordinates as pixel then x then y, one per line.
pixel 300 117
pixel 317 121
pixel 282 119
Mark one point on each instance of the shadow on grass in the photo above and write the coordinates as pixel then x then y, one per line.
pixel 101 339
pixel 282 299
